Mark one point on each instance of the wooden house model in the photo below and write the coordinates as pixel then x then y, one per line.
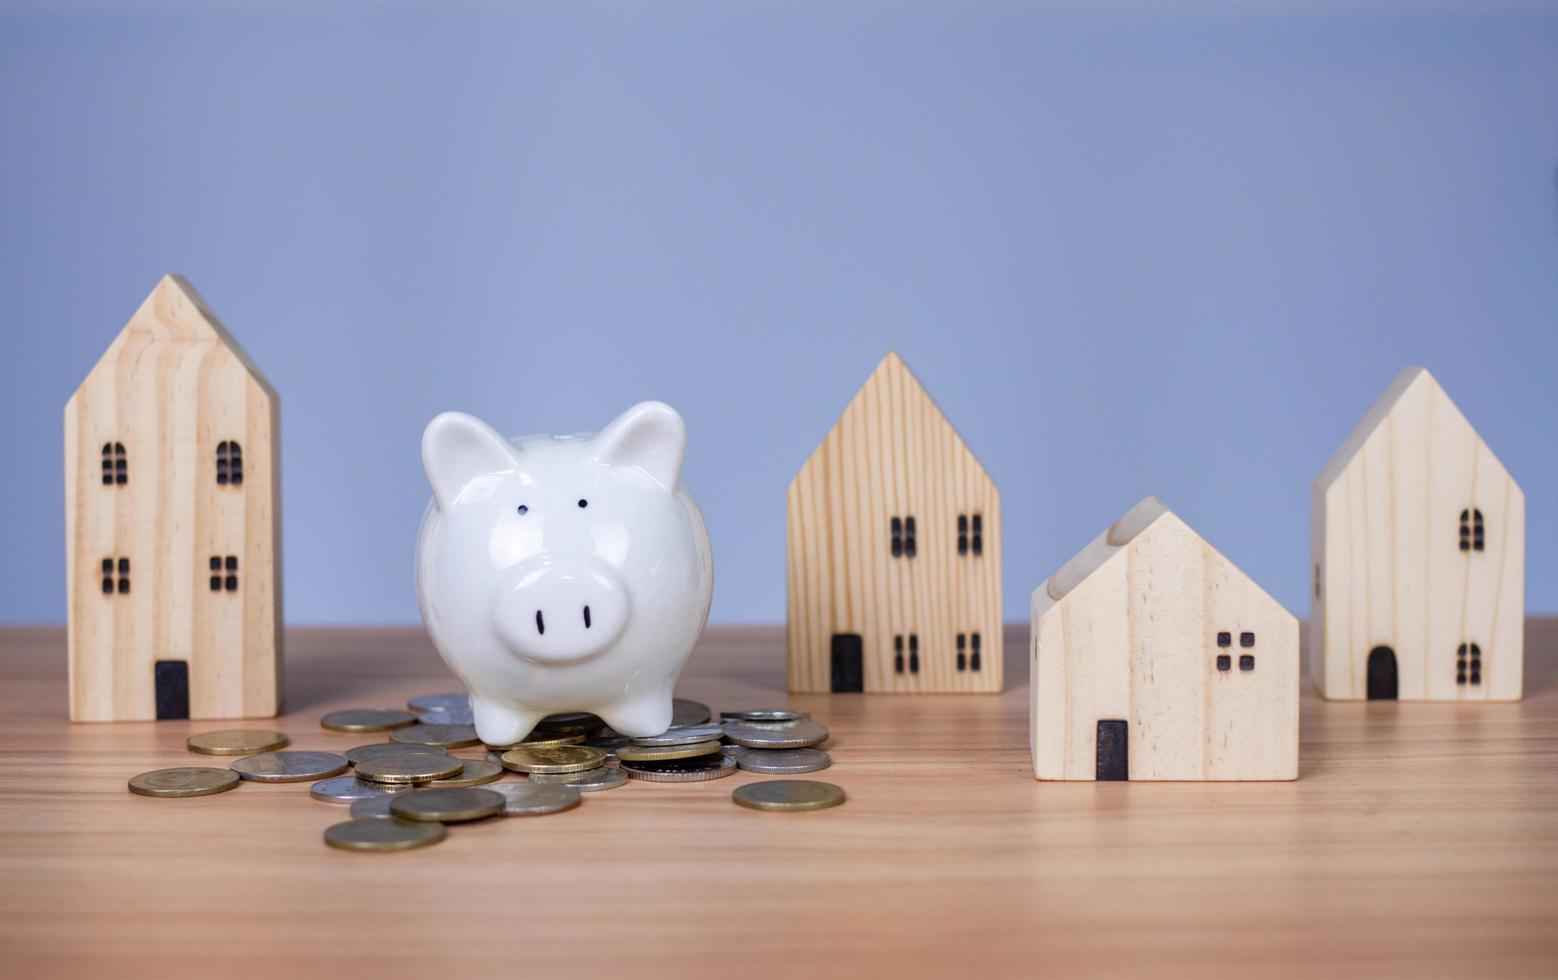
pixel 894 544
pixel 1154 658
pixel 172 537
pixel 1417 535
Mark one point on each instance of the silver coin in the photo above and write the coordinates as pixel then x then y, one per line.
pixel 443 736
pixel 448 716
pixel 289 766
pixel 781 762
pixel 348 789
pixel 734 751
pixel 772 714
pixel 681 736
pixel 685 712
pixel 378 750
pixel 589 781
pixel 691 770
pixel 774 735
pixel 440 702
pixel 373 806
pixel 527 799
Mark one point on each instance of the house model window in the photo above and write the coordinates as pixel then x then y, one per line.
pixel 224 573
pixel 229 463
pixel 115 471
pixel 116 576
pixel 971 534
pixel 1471 530
pixel 901 530
pixel 1468 655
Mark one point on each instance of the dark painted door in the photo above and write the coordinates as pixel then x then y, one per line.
pixel 848 664
pixel 1114 755
pixel 172 689
pixel 1382 674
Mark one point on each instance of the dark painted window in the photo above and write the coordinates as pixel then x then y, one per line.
pixel 1468 655
pixel 962 644
pixel 224 573
pixel 229 463
pixel 1472 531
pixel 898 654
pixel 116 576
pixel 1224 662
pixel 971 534
pixel 909 545
pixel 115 465
pixel 974 658
pixel 895 528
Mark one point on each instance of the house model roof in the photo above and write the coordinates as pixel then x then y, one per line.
pixel 1413 389
pixel 1111 544
pixel 892 392
pixel 175 314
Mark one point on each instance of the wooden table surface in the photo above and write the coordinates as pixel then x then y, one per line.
pixel 1419 840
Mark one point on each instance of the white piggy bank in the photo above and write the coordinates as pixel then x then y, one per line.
pixel 566 573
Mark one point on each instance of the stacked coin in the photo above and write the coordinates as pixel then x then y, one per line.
pixel 775 741
pixel 681 754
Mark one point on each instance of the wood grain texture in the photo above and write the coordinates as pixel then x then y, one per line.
pixel 1151 626
pixel 892 454
pixel 170 389
pixel 1388 566
pixel 1420 840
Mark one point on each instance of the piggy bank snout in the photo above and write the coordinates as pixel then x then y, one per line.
pixel 563 612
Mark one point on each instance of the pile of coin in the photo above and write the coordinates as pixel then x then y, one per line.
pixel 404 792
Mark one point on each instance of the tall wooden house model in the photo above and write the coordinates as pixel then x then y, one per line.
pixel 172 530
pixel 1154 658
pixel 1418 543
pixel 894 543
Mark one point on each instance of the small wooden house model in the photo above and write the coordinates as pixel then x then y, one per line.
pixel 172 532
pixel 1418 542
pixel 1154 658
pixel 894 543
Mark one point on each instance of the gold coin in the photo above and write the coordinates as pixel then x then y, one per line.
pixel 184 781
pixel 237 741
pixel 443 736
pixel 367 720
pixel 290 767
pixel 661 753
pixel 543 740
pixel 788 794
pixel 413 767
pixel 475 772
pixel 383 835
pixel 447 805
pixel 561 758
pixel 380 750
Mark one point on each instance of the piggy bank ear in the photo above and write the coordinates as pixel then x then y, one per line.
pixel 456 449
pixel 651 436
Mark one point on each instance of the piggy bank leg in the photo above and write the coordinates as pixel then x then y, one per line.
pixel 648 714
pixel 502 723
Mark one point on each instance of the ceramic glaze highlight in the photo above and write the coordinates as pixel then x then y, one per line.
pixel 563 573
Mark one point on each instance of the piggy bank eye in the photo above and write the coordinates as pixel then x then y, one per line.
pixel 523 510
pixel 583 502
